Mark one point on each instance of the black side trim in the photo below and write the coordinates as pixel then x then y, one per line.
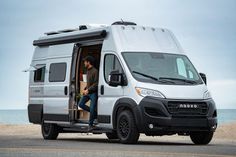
pixel 35 113
pixel 104 119
pixel 127 103
pixel 56 117
pixel 71 38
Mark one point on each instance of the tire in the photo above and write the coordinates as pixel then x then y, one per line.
pixel 127 131
pixel 49 131
pixel 112 135
pixel 201 138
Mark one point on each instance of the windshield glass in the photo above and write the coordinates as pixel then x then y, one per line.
pixel 161 68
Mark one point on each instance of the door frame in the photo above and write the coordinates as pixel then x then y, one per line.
pixel 73 84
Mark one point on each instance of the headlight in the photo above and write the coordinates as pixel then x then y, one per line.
pixel 149 92
pixel 207 95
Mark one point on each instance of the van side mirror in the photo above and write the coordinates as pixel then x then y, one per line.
pixel 203 76
pixel 116 78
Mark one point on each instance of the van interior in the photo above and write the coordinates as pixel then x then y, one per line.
pixel 80 77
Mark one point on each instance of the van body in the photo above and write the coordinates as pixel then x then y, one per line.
pixel 146 84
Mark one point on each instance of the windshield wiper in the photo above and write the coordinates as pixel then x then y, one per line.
pixel 152 77
pixel 178 79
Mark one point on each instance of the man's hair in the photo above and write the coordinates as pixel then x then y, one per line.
pixel 89 59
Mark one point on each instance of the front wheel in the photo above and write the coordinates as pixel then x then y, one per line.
pixel 49 131
pixel 126 128
pixel 201 138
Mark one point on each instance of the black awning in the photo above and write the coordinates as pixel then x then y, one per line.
pixel 100 34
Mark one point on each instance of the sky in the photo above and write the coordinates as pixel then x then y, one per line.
pixel 204 28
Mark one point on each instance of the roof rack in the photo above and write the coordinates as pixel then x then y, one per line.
pixel 61 31
pixel 67 30
pixel 124 23
pixel 51 33
pixel 81 27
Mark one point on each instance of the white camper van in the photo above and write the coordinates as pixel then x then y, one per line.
pixel 146 84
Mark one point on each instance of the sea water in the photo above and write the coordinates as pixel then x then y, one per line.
pixel 21 116
pixel 14 117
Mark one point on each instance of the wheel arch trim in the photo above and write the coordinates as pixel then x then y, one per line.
pixel 127 103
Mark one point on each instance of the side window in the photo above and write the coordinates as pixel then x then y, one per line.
pixel 111 63
pixel 108 66
pixel 117 65
pixel 39 74
pixel 181 67
pixel 57 72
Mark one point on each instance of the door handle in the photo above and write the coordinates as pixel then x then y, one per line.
pixel 102 89
pixel 65 90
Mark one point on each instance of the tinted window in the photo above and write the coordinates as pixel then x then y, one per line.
pixel 39 74
pixel 57 72
pixel 111 63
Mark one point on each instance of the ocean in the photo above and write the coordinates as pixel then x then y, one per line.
pixel 21 116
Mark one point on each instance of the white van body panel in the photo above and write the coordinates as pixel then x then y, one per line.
pixel 144 39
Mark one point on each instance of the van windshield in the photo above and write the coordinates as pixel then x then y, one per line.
pixel 161 68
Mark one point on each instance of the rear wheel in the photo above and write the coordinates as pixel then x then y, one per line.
pixel 201 138
pixel 49 131
pixel 126 128
pixel 112 135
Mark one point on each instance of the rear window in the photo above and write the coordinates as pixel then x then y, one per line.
pixel 57 72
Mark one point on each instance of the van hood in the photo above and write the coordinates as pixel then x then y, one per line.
pixel 177 91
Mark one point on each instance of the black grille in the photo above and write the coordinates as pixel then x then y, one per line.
pixel 187 108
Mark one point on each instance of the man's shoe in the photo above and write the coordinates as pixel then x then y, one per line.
pixel 95 122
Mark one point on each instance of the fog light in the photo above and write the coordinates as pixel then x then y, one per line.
pixel 150 126
pixel 214 127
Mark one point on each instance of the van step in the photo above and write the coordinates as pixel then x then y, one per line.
pixel 84 129
pixel 84 121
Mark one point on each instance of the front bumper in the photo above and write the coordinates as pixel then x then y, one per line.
pixel 157 119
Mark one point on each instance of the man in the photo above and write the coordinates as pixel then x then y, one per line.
pixel 90 91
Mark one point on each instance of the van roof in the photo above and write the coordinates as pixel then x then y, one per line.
pixel 123 37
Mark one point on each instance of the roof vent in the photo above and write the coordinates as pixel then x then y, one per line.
pixel 82 27
pixel 124 23
pixel 91 26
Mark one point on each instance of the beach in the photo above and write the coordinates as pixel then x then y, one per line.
pixel 223 132
pixel 26 140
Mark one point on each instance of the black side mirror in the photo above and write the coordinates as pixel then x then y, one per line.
pixel 116 78
pixel 203 76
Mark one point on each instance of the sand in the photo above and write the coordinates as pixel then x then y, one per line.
pixel 223 132
pixel 226 131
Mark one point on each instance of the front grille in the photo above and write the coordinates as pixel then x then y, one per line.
pixel 187 108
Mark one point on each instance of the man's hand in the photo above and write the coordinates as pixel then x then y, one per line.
pixel 85 92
